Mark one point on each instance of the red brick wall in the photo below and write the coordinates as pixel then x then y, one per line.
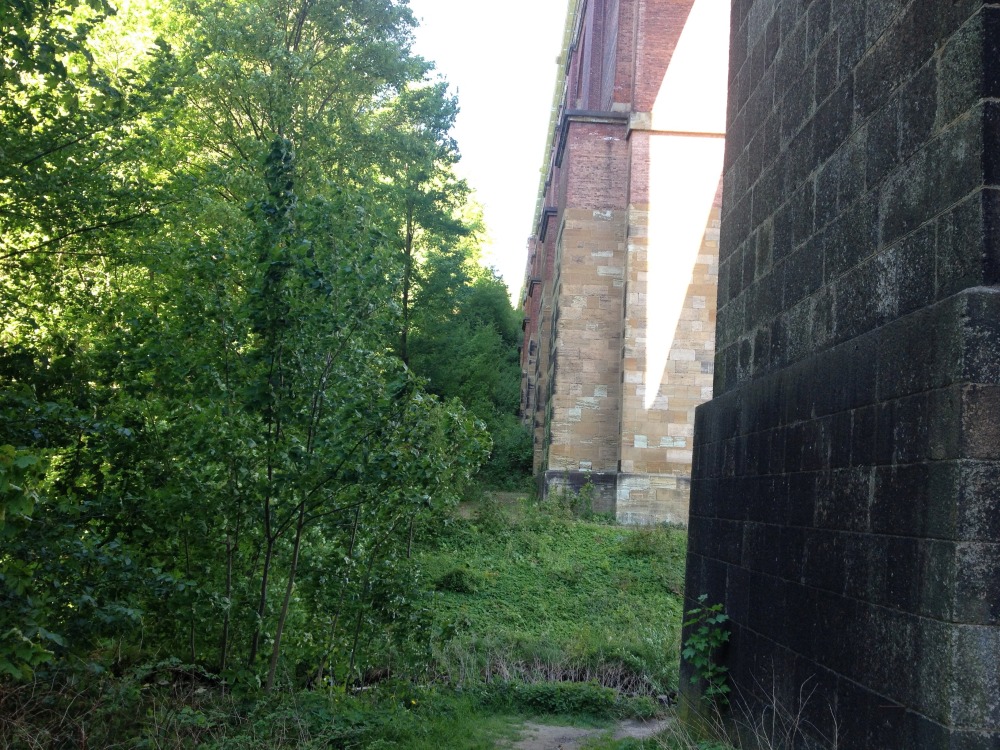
pixel 659 27
pixel 596 155
pixel 600 190
pixel 624 49
pixel 609 61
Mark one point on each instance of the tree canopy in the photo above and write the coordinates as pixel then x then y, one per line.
pixel 246 350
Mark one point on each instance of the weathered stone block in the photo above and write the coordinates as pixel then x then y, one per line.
pixel 977 583
pixel 977 517
pixel 823 566
pixel 760 544
pixel 916 115
pixel 848 505
pixel 974 741
pixel 981 422
pixel 803 489
pixel 900 496
pixel 961 71
pixel 980 320
pixel 975 694
pixel 937 575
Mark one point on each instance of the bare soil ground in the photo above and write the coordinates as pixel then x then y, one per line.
pixel 545 737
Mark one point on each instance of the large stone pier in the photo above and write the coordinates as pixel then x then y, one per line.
pixel 846 485
pixel 619 295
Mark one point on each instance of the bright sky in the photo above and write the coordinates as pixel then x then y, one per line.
pixel 500 58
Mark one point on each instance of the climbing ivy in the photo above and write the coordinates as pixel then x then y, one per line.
pixel 706 635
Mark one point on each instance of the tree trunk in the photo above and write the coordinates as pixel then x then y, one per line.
pixel 340 605
pixel 361 614
pixel 276 647
pixel 224 641
pixel 262 602
pixel 191 622
pixel 404 352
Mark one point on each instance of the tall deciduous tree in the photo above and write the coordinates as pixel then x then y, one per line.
pixel 204 352
pixel 419 191
pixel 465 344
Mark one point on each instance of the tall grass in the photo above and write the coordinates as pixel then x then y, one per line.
pixel 764 723
pixel 533 596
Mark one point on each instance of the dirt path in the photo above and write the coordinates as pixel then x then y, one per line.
pixel 546 737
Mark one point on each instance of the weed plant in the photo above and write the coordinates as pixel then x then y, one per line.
pixel 707 636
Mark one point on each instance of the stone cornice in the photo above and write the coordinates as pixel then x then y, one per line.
pixel 585 115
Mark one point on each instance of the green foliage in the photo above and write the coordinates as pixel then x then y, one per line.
pixel 569 503
pixel 578 698
pixel 658 542
pixel 707 634
pixel 460 580
pixel 464 342
pixel 558 600
pixel 173 705
pixel 17 494
pixel 200 390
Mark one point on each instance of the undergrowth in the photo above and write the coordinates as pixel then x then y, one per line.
pixel 535 614
pixel 531 596
pixel 129 713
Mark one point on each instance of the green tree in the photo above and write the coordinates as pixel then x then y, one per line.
pixel 295 89
pixel 466 346
pixel 418 186
pixel 73 184
pixel 203 352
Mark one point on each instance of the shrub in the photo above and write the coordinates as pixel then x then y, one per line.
pixel 461 580
pixel 586 698
pixel 658 542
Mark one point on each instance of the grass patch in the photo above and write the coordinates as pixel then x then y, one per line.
pixel 531 597
pixel 607 742
pixel 121 713
pixel 564 699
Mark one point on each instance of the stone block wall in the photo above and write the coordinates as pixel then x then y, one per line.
pixel 665 375
pixel 844 497
pixel 586 390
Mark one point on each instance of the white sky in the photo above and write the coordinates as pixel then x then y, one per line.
pixel 500 58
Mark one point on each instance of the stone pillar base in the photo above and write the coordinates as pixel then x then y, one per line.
pixel 652 498
pixel 634 499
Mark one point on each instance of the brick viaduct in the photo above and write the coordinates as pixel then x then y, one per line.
pixel 845 491
pixel 614 365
